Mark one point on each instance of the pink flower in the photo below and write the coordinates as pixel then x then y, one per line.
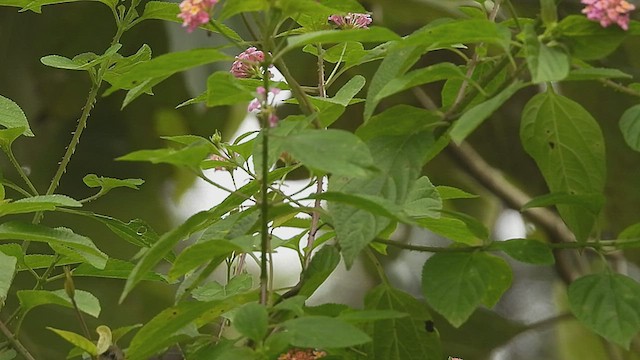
pixel 216 157
pixel 263 99
pixel 608 12
pixel 195 12
pixel 248 64
pixel 351 21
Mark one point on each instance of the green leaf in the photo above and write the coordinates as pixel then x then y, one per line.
pixel 592 202
pixel 115 269
pixel 608 304
pixel 30 299
pixel 348 91
pixel 145 87
pixel 122 331
pixel 429 74
pixel 241 195
pixel 366 316
pixel 449 193
pixel 334 151
pixel 162 247
pixel 596 74
pixel 545 63
pixel 568 146
pixel 324 332
pixel 452 229
pixel 630 127
pixel 213 251
pixel 372 34
pixel 214 291
pixel 123 65
pixel 233 7
pixel 40 261
pixel 461 31
pixel 36 5
pixel 12 116
pixel 168 11
pixel 105 339
pixel 277 136
pixel 136 231
pixel 225 89
pixel 400 160
pixel 588 40
pixel 7 271
pixel 8 354
pixel 37 203
pixel 398 120
pixel 84 61
pixel 400 338
pixel 423 200
pixel 77 340
pixel 167 65
pixel 322 264
pixel 8 136
pixel 190 156
pixel 525 250
pixel 470 341
pixel 630 232
pixel 252 321
pixel 350 51
pixel 160 332
pixel 474 117
pixel 373 204
pixel 397 61
pixel 455 284
pixel 62 240
pixel 106 183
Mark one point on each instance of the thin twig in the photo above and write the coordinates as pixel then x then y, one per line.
pixel 17 345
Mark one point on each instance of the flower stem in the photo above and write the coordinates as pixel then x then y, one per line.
pixel 265 242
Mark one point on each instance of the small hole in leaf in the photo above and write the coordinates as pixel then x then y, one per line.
pixel 552 145
pixel 429 326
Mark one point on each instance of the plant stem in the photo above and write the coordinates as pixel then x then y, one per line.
pixel 75 139
pixel 315 216
pixel 264 213
pixel 20 171
pixel 265 242
pixel 17 345
pixel 378 266
pixel 296 89
pixel 596 245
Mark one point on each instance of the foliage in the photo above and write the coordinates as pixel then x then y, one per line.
pixel 373 179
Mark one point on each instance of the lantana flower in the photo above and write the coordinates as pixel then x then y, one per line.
pixel 302 354
pixel 248 64
pixel 608 12
pixel 351 21
pixel 266 100
pixel 220 158
pixel 195 13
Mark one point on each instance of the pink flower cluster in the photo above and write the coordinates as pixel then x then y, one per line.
pixel 302 354
pixel 263 98
pixel 247 64
pixel 195 12
pixel 608 12
pixel 351 21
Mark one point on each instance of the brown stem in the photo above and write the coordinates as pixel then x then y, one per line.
pixel 515 198
pixel 17 345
